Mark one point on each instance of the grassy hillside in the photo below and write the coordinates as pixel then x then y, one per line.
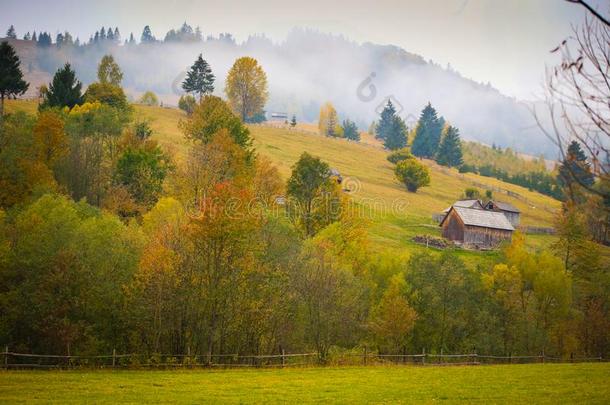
pixel 396 215
pixel 534 383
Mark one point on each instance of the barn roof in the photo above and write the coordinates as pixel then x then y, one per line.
pixel 466 204
pixel 482 218
pixel 504 206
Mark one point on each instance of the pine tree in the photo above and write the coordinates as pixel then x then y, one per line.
pixel 64 90
pixel 11 77
pixel 132 40
pixel 350 130
pixel 396 135
pixel 575 170
pixel 386 121
pixel 199 79
pixel 147 35
pixel 34 38
pixel 428 133
pixel 11 33
pixel 450 149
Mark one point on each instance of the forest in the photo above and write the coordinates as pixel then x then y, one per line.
pixel 109 242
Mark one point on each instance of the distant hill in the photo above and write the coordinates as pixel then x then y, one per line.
pixel 309 68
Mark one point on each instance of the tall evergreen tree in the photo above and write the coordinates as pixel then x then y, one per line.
pixel 350 130
pixel 391 129
pixel 11 33
pixel 450 149
pixel 147 35
pixel 64 90
pixel 386 121
pixel 396 137
pixel 428 133
pixel 575 170
pixel 11 77
pixel 199 79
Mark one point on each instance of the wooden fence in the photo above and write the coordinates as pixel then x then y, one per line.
pixel 12 360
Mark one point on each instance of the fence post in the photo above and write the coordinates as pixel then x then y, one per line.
pixel 441 358
pixel 423 357
pixel 510 358
pixel 6 357
pixel 188 356
pixel 113 358
pixel 283 358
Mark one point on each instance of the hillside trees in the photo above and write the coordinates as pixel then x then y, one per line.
pixel 314 197
pixel 211 115
pixel 187 103
pixel 11 33
pixel 109 72
pixel 246 87
pixel 149 98
pixel 199 79
pixel 427 133
pixel 11 77
pixel 328 121
pixel 391 129
pixel 64 90
pixel 575 173
pixel 412 174
pixel 450 149
pixel 350 130
pixel 147 36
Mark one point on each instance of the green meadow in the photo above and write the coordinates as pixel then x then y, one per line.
pixel 533 383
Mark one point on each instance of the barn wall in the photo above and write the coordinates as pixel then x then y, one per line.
pixel 453 229
pixel 485 237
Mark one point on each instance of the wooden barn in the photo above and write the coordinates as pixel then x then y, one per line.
pixel 511 212
pixel 476 228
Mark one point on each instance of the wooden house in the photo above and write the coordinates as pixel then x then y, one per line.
pixel 511 212
pixel 478 228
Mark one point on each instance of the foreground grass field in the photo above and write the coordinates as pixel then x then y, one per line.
pixel 535 383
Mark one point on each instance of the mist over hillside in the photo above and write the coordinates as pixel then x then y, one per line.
pixel 308 69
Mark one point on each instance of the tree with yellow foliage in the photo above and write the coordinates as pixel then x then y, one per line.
pixel 246 87
pixel 328 124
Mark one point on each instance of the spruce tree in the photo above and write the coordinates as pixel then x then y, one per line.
pixel 428 133
pixel 199 79
pixel 147 35
pixel 386 121
pixel 11 33
pixel 396 135
pixel 450 149
pixel 350 130
pixel 11 77
pixel 64 90
pixel 575 169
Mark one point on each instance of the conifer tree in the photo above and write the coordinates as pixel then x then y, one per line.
pixel 64 90
pixel 350 130
pixel 575 170
pixel 450 149
pixel 386 121
pixel 293 121
pixel 11 33
pixel 11 77
pixel 199 79
pixel 396 135
pixel 428 133
pixel 147 35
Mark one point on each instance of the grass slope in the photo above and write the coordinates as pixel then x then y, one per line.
pixel 534 383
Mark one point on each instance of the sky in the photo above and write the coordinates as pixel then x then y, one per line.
pixel 504 42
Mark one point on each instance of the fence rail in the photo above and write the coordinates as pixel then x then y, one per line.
pixel 12 360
